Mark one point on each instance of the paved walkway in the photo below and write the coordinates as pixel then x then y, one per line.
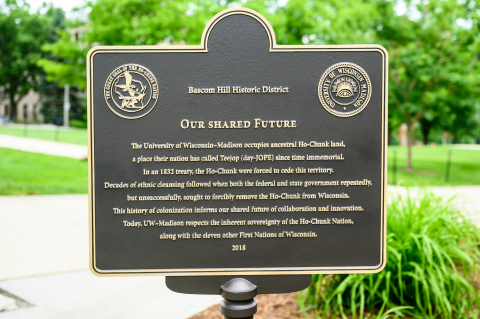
pixel 44 234
pixel 466 197
pixel 44 261
pixel 44 147
pixel 81 295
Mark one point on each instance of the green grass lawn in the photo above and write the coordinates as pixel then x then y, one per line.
pixel 72 136
pixel 429 166
pixel 25 173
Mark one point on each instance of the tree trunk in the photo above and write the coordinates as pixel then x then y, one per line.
pixel 456 139
pixel 13 107
pixel 409 145
pixel 426 127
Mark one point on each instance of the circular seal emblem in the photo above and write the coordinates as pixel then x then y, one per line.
pixel 344 89
pixel 131 91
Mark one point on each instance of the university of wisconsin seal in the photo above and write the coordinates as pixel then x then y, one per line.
pixel 131 91
pixel 344 89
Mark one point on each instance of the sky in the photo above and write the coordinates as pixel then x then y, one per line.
pixel 66 5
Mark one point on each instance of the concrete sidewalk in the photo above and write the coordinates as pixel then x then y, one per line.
pixel 43 234
pixel 44 147
pixel 467 198
pixel 44 261
pixel 81 295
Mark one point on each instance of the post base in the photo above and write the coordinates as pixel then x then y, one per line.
pixel 238 301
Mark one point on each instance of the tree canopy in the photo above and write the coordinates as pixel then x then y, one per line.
pixel 21 36
pixel 125 22
pixel 433 45
pixel 433 51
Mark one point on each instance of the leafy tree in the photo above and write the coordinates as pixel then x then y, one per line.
pixel 326 22
pixel 456 105
pixel 432 50
pixel 52 93
pixel 21 37
pixel 125 22
pixel 52 102
pixel 432 47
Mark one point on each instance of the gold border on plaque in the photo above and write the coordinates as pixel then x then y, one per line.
pixel 203 48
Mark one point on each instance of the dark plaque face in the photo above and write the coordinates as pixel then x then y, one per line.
pixel 237 156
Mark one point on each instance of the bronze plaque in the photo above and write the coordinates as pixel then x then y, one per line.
pixel 237 156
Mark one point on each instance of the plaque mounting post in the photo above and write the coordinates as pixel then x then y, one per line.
pixel 238 302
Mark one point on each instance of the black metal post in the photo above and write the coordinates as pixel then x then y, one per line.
pixel 239 303
pixel 449 161
pixel 25 127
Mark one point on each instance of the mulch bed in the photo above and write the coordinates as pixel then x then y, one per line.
pixel 275 306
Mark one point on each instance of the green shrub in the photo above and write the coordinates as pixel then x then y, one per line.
pixel 432 264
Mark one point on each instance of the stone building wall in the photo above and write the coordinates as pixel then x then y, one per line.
pixel 28 107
